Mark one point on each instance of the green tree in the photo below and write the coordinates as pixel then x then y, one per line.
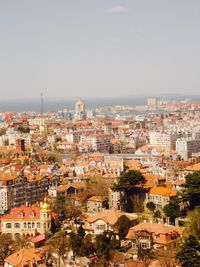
pixel 87 247
pixel 97 185
pixel 65 207
pixel 146 255
pixel 150 206
pixel 172 210
pixel 192 189
pixel 71 211
pixel 189 254
pixel 130 183
pixel 21 242
pixel 59 244
pixel 7 246
pixel 81 231
pixel 193 225
pixel 53 227
pixel 76 243
pixel 104 244
pixel 122 226
pixel 59 204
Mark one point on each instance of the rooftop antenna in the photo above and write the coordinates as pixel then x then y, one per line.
pixel 42 104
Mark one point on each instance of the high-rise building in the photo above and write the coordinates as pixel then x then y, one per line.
pixel 186 146
pixel 80 111
pixel 152 102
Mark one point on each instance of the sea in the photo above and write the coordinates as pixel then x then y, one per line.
pixel 55 104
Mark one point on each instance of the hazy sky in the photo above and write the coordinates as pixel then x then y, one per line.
pixel 81 48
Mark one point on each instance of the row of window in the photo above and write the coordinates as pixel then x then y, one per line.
pixel 28 225
pixel 158 197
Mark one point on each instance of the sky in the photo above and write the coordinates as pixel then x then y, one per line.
pixel 98 48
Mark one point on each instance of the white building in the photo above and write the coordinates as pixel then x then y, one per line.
pixel 99 142
pixel 186 146
pixel 165 140
pixel 5 198
pixel 80 112
pixel 152 102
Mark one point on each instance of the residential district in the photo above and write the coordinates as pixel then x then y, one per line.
pixel 115 186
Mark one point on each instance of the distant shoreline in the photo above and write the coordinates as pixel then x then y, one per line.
pixel 52 105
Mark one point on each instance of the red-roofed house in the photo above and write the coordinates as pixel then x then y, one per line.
pixel 27 220
pixel 146 235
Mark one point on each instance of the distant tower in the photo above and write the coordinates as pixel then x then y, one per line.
pixel 80 113
pixel 80 106
pixel 42 105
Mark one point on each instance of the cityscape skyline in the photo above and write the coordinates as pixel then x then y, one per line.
pixel 99 133
pixel 106 48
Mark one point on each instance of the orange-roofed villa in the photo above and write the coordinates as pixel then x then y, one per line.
pixel 147 235
pixel 105 221
pixel 27 220
pixel 26 257
pixel 160 196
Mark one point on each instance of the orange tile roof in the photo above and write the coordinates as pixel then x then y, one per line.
pixel 157 229
pixel 4 161
pixel 25 210
pixel 134 164
pixel 151 180
pixel 108 216
pixel 65 187
pixel 162 191
pixel 195 167
pixel 97 199
pixel 25 256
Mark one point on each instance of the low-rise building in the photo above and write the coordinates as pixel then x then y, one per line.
pixel 148 235
pixel 160 196
pixel 96 204
pixel 66 189
pixel 27 220
pixel 26 257
pixel 105 221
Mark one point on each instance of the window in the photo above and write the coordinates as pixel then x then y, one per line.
pixel 21 214
pixel 17 225
pixel 100 227
pixel 8 225
pixel 32 214
pixel 38 225
pixel 25 225
pixel 145 245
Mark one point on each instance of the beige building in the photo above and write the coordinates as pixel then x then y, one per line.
pixel 105 221
pixel 153 235
pixel 96 204
pixel 160 196
pixel 166 140
pixel 185 147
pixel 27 220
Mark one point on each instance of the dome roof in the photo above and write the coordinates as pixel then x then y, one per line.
pixel 45 206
